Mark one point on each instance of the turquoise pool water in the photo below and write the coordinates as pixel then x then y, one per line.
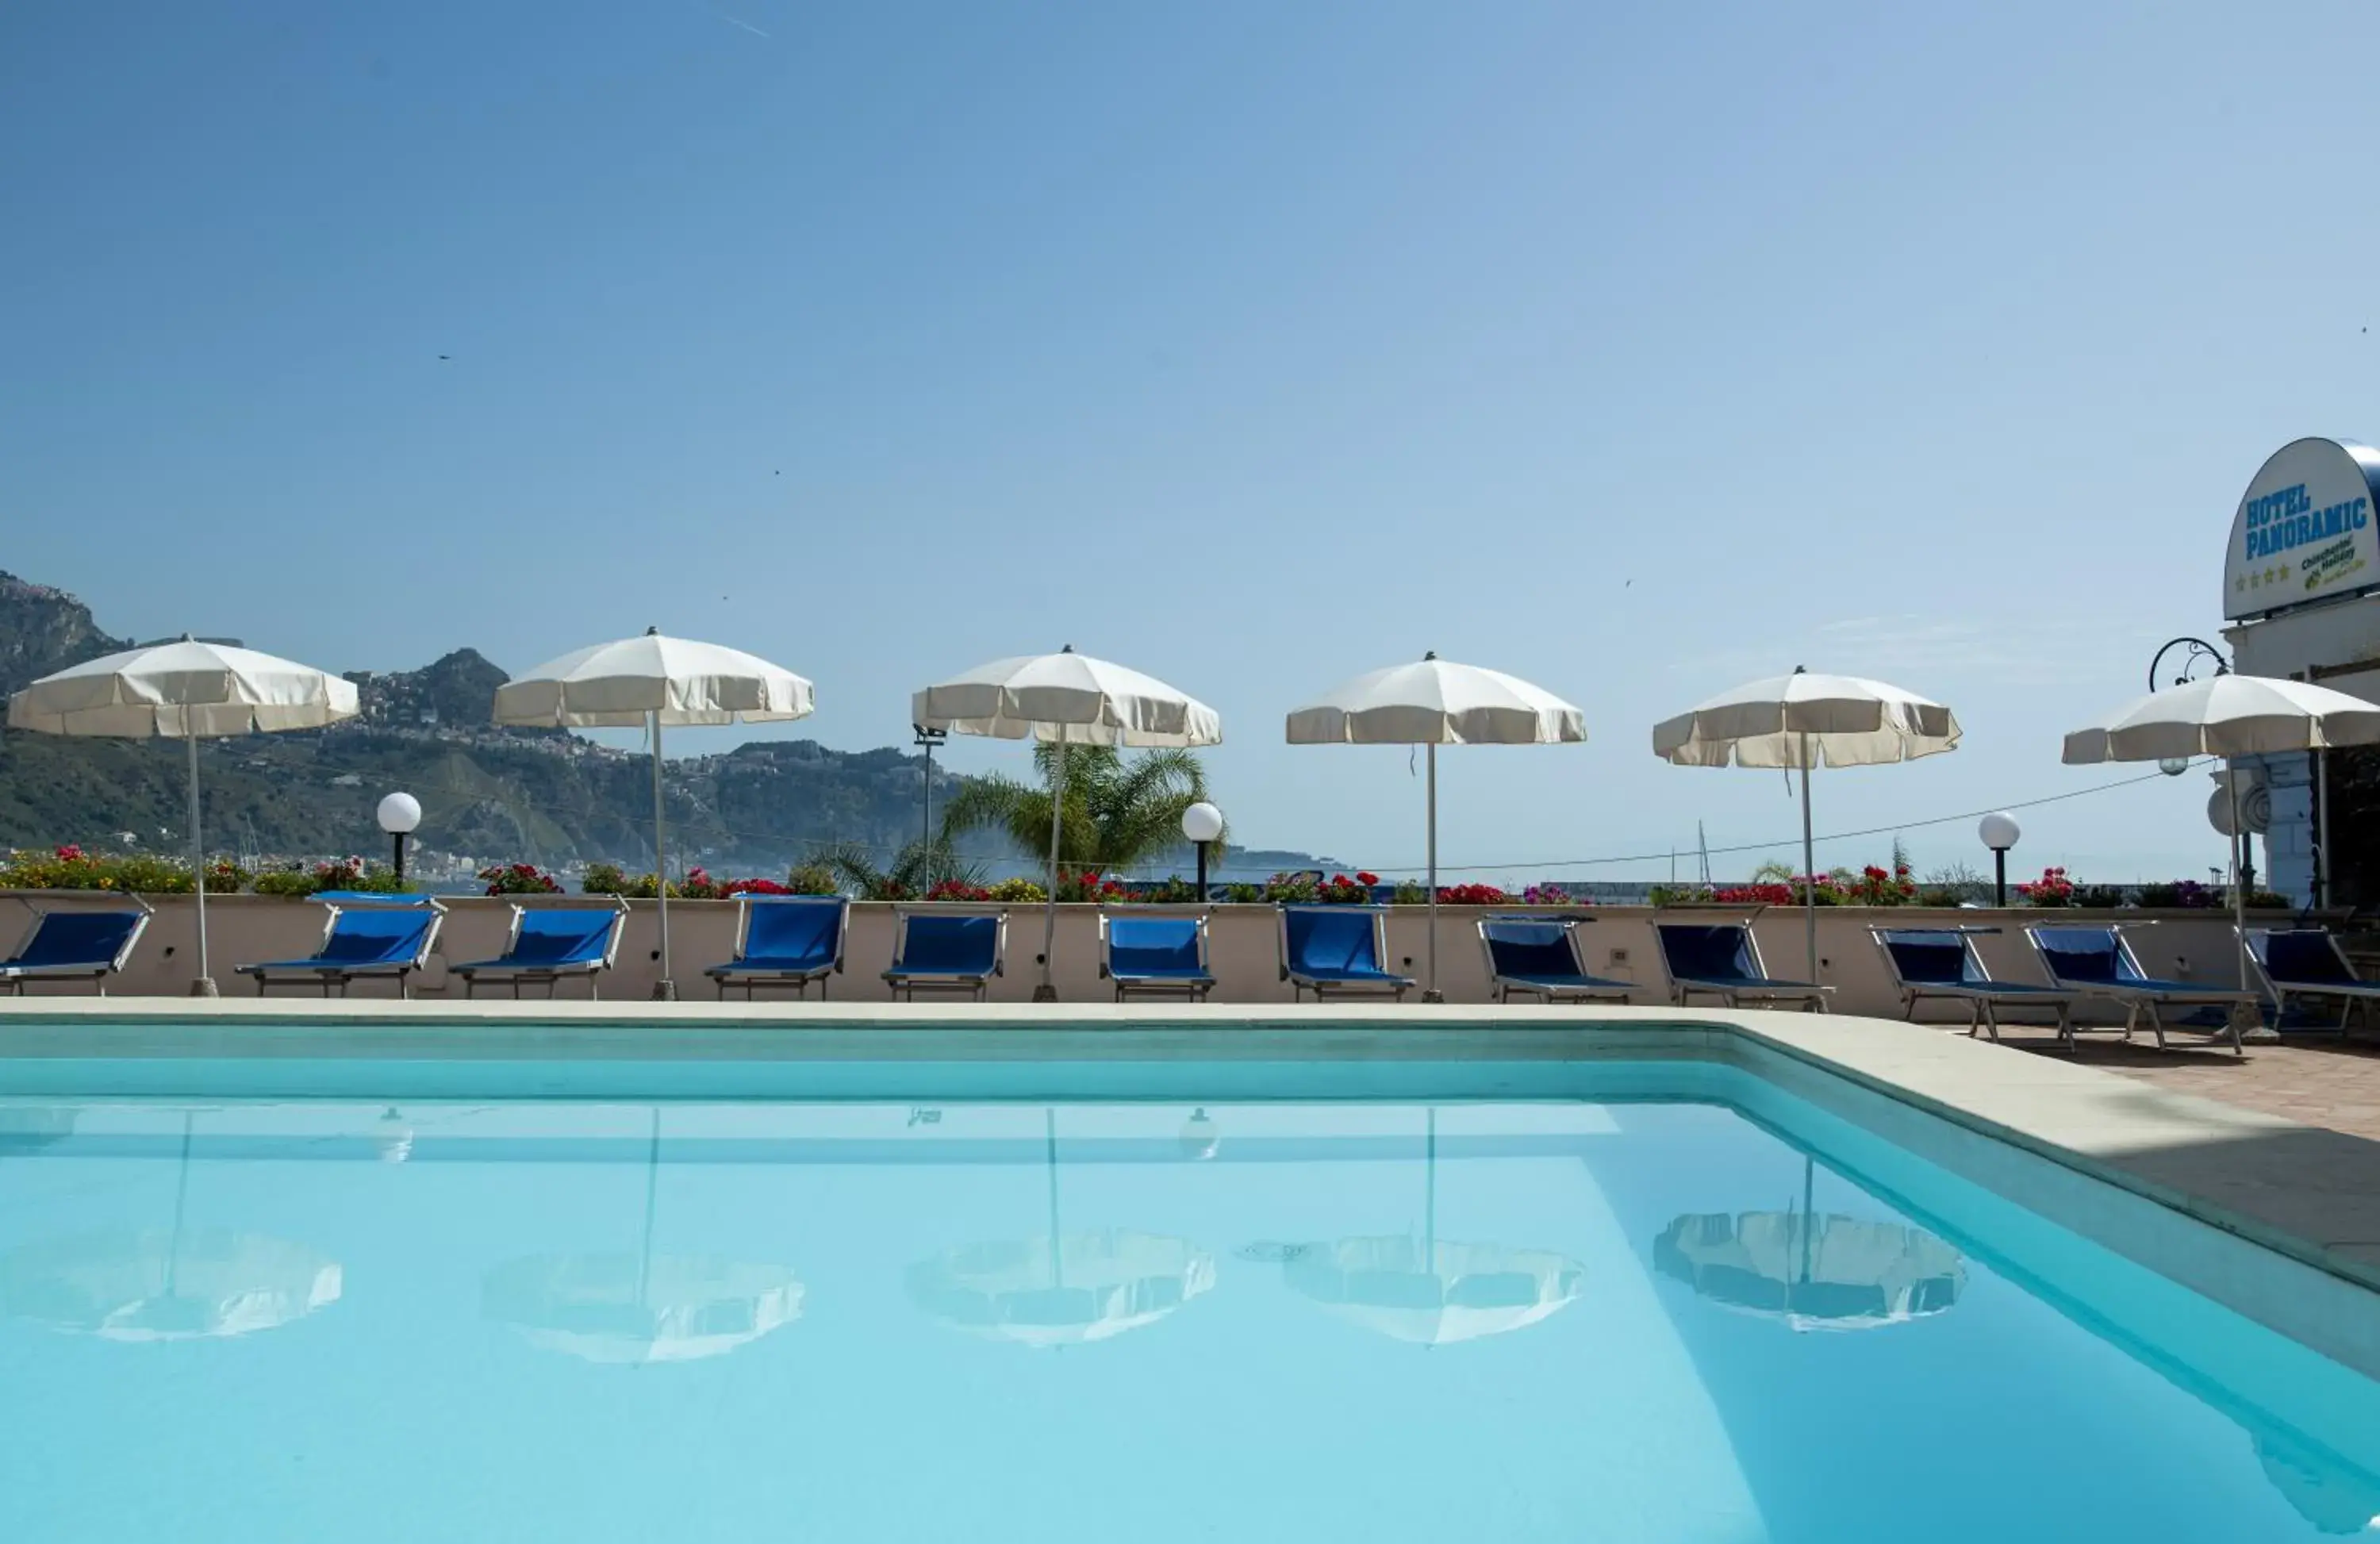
pixel 1644 1306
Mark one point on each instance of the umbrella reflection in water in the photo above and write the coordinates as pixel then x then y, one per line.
pixel 1059 1289
pixel 1813 1273
pixel 170 1284
pixel 633 1306
pixel 1432 1291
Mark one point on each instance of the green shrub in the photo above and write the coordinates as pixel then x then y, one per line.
pixel 2098 897
pixel 813 879
pixel 291 882
pixel 1168 893
pixel 1243 894
pixel 1017 892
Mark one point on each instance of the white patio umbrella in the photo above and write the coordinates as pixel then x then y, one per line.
pixel 2227 715
pixel 633 1308
pixel 1431 1290
pixel 1430 703
pixel 1059 1288
pixel 189 689
pixel 170 1284
pixel 1813 1272
pixel 1800 721
pixel 654 681
pixel 1064 698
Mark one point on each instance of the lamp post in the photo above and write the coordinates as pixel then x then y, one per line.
pixel 399 814
pixel 1202 822
pixel 1999 833
pixel 926 740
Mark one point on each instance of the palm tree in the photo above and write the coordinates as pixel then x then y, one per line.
pixel 1117 814
pixel 917 868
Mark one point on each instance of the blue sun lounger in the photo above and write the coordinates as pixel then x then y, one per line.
pixel 75 945
pixel 1540 956
pixel 785 942
pixel 947 951
pixel 1337 950
pixel 2308 962
pixel 364 938
pixel 2099 962
pixel 548 943
pixel 1943 963
pixel 1156 956
pixel 1722 960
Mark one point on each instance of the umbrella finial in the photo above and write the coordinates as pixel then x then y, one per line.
pixel 1801 670
pixel 653 632
pixel 1428 654
pixel 1067 649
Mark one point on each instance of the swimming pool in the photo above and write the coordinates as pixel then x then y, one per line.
pixel 1098 1300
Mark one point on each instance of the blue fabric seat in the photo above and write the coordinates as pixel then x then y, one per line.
pixel 1722 960
pixel 74 945
pixel 1158 955
pixel 548 943
pixel 1535 956
pixel 946 951
pixel 1942 963
pixel 786 941
pixel 363 936
pixel 2308 962
pixel 1337 949
pixel 2098 961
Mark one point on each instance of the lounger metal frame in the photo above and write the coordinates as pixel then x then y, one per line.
pixel 292 974
pixel 1196 991
pixel 2139 1000
pixel 1984 995
pixel 1813 995
pixel 1594 989
pixel 19 976
pixel 551 975
pixel 724 976
pixel 1390 981
pixel 912 982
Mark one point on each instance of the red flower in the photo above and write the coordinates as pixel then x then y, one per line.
pixel 1367 881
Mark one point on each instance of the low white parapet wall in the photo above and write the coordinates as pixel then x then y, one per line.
pixel 2189 946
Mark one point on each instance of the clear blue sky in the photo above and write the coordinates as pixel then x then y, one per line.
pixel 1252 346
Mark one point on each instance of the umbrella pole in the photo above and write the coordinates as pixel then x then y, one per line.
pixel 204 986
pixel 1809 872
pixel 653 1188
pixel 1057 1261
pixel 665 990
pixel 2240 909
pixel 1048 990
pixel 1429 993
pixel 1429 1193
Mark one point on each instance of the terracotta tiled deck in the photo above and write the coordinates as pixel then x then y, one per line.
pixel 2317 1081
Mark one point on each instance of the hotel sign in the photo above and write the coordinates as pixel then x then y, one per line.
pixel 2306 528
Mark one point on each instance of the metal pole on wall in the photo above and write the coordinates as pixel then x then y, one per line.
pixel 2322 828
pixel 1429 991
pixel 1999 877
pixel 1809 869
pixel 665 990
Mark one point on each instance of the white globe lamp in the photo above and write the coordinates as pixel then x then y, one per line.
pixel 1202 824
pixel 1998 830
pixel 399 814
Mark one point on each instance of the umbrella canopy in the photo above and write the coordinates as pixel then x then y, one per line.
pixel 1067 1289
pixel 1805 720
pixel 187 689
pixel 2227 715
pixel 654 681
pixel 166 1285
pixel 623 684
pixel 1065 699
pixel 1830 1273
pixel 631 1309
pixel 1434 702
pixel 1434 1291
